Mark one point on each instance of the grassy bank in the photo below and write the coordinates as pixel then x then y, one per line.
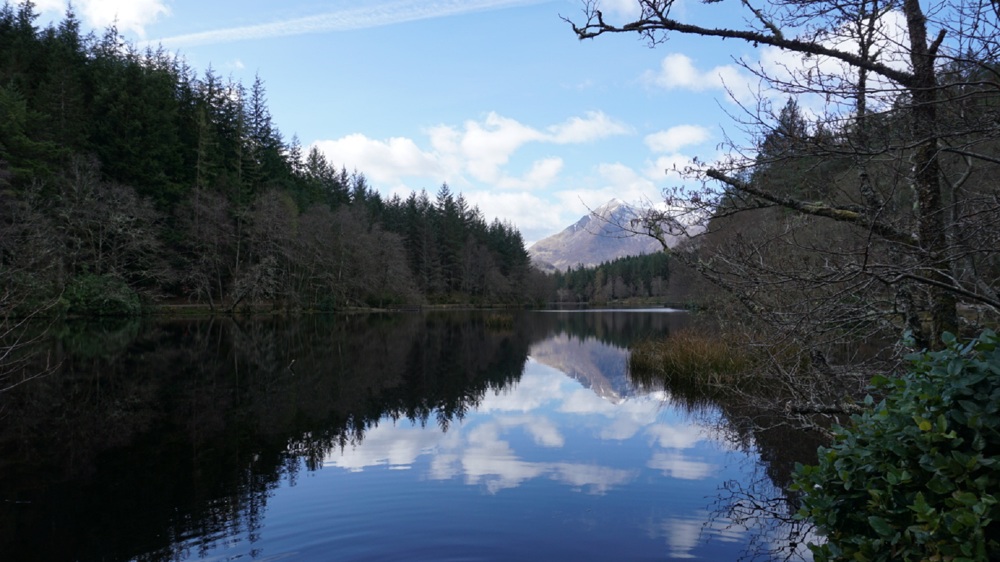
pixel 693 354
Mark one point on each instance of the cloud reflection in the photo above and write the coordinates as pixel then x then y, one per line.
pixel 492 461
pixel 684 534
pixel 389 445
pixel 493 447
pixel 676 465
pixel 676 437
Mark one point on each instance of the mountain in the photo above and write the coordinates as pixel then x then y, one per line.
pixel 595 238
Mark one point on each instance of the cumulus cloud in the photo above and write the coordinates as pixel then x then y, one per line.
pixel 486 160
pixel 128 15
pixel 382 161
pixel 615 181
pixel 669 166
pixel 675 138
pixel 621 8
pixel 678 72
pixel 891 41
pixel 488 145
pixel 529 212
pixel 480 150
pixel 595 125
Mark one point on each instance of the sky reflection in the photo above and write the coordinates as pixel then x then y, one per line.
pixel 553 426
pixel 573 454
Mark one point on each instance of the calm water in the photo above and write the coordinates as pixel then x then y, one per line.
pixel 400 437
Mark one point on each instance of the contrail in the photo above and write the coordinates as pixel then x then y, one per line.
pixel 342 20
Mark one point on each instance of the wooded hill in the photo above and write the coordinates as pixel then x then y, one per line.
pixel 125 175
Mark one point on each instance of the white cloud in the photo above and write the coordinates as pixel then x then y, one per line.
pixel 48 5
pixel 822 72
pixel 479 159
pixel 618 181
pixel 678 72
pixel 811 73
pixel 488 145
pixel 669 167
pixel 375 14
pixel 128 15
pixel 621 8
pixel 480 151
pixel 596 125
pixel 381 161
pixel 675 138
pixel 526 211
pixel 542 173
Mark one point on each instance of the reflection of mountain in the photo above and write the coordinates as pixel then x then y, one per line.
pixel 596 365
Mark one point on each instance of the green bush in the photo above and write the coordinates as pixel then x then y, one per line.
pixel 917 476
pixel 101 295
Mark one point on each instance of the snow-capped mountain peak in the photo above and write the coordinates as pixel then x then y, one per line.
pixel 599 236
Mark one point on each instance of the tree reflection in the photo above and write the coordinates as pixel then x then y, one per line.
pixel 176 433
pixel 164 440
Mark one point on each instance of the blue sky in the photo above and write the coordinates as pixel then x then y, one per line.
pixel 495 97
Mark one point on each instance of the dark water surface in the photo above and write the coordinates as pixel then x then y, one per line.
pixel 415 436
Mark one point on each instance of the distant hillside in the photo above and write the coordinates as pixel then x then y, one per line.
pixel 596 238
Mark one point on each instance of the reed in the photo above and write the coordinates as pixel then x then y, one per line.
pixel 695 356
pixel 498 321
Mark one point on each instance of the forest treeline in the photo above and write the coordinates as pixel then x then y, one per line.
pixel 125 176
pixel 645 276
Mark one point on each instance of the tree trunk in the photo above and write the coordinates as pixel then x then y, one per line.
pixel 927 175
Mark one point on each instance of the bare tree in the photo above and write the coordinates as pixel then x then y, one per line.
pixel 28 256
pixel 210 258
pixel 271 231
pixel 883 220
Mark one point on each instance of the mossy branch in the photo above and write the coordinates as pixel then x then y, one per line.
pixel 851 215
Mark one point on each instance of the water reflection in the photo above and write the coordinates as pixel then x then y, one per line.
pixel 301 437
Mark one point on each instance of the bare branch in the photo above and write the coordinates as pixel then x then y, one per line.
pixel 853 216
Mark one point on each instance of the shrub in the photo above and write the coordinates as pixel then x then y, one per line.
pixel 916 477
pixel 101 295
